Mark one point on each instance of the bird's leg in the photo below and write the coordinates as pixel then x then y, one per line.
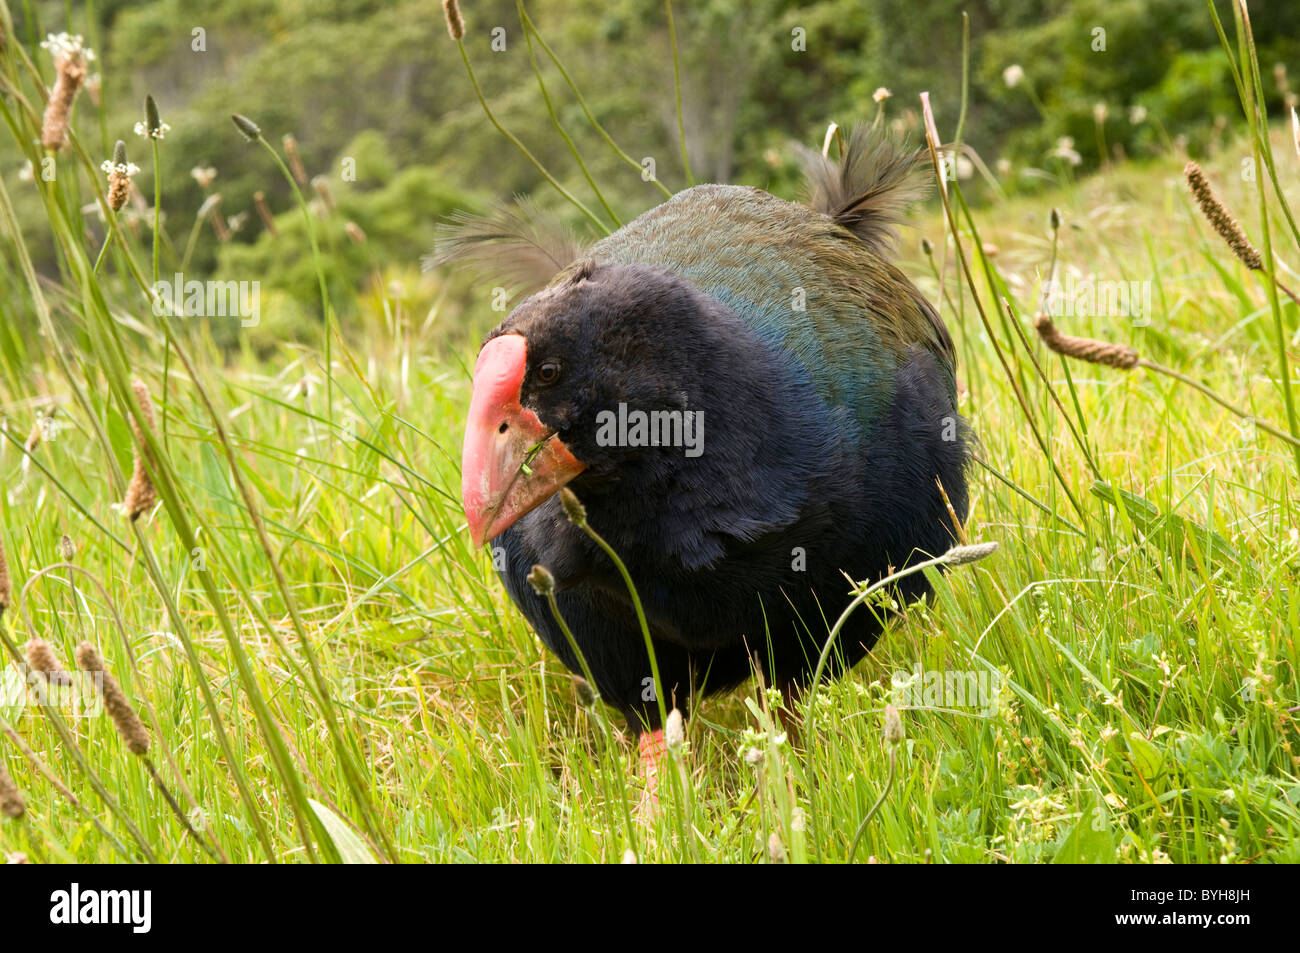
pixel 653 750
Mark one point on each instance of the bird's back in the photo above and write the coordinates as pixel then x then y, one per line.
pixel 802 282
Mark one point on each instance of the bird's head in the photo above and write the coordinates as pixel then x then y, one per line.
pixel 563 361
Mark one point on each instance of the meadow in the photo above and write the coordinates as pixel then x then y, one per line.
pixel 326 669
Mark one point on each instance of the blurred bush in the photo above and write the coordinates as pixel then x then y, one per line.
pixel 388 218
pixel 1142 70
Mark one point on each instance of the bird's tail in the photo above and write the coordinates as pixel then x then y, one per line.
pixel 869 189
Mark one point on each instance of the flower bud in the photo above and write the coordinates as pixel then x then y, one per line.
pixel 573 508
pixel 542 581
pixel 893 726
pixel 247 128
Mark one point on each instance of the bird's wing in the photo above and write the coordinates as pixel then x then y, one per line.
pixel 800 280
pixel 868 190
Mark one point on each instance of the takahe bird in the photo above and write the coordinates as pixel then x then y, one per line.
pixel 815 398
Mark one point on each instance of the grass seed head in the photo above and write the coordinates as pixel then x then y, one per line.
pixel 573 508
pixel 960 555
pixel 674 730
pixel 152 127
pixel 1218 217
pixel 322 186
pixel 6 585
pixel 1120 356
pixel 141 494
pixel 455 22
pixel 295 160
pixel 119 172
pixel 41 658
pixel 11 801
pixel 894 733
pixel 583 691
pixel 247 128
pixel 264 212
pixel 775 849
pixel 211 209
pixel 542 581
pixel 146 406
pixel 71 61
pixel 125 720
pixel 34 438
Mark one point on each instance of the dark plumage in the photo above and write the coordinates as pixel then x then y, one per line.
pixel 827 388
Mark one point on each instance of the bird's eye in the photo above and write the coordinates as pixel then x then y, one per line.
pixel 548 372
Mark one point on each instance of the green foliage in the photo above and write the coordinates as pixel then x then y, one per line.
pixel 1197 86
pixel 398 218
pixel 332 72
pixel 1163 55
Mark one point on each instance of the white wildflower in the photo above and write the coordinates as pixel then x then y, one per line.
pixel 67 45
pixel 1065 150
pixel 142 130
pixel 128 169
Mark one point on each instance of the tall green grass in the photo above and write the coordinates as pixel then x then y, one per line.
pixel 330 671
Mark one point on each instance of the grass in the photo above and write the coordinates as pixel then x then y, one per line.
pixel 330 671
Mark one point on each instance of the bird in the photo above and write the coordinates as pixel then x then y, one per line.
pixel 754 406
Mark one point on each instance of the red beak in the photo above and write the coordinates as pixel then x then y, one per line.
pixel 511 462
